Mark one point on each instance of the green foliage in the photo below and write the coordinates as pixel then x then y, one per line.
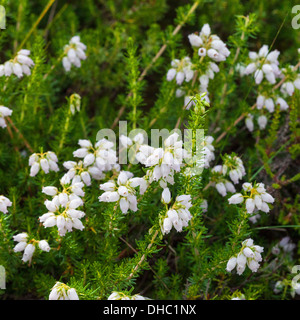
pixel 130 46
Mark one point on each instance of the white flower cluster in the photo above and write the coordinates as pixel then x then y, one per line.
pixel 137 140
pixel 265 64
pixel 261 120
pixel 181 70
pixel 220 182
pixel 60 291
pixel 209 44
pixel 285 244
pixel 63 208
pixel 20 65
pixel 234 167
pixel 4 203
pixel 96 160
pixel 75 52
pixel 292 81
pixel 47 161
pixel 123 191
pixel 4 112
pixel 249 255
pixel 178 216
pixel 163 162
pixel 29 246
pixel 270 102
pixel 257 200
pixel 122 296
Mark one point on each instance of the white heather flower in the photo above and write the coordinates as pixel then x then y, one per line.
pixel 221 189
pixel 4 203
pixel 166 196
pixel 4 112
pixel 282 103
pixel 21 237
pixel 60 291
pixel 28 252
pixel 46 161
pixel 122 192
pixel 181 70
pixel 249 122
pixel 74 53
pixel 262 122
pixel 43 245
pixel 264 64
pixel 231 264
pixel 19 66
pixel 209 44
pixel 236 199
pixel 195 40
pixel 249 255
pixel 50 191
pixel 178 215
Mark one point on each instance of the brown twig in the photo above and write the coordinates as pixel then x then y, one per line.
pixel 157 56
pixel 28 146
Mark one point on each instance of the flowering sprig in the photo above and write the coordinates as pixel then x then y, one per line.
pixel 257 199
pixel 29 245
pixel 234 167
pixel 264 64
pixel 63 208
pixel 20 65
pixel 163 162
pixel 123 191
pixel 47 161
pixel 181 70
pixel 220 182
pixel 249 255
pixel 178 215
pixel 75 52
pixel 209 44
pixel 269 101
